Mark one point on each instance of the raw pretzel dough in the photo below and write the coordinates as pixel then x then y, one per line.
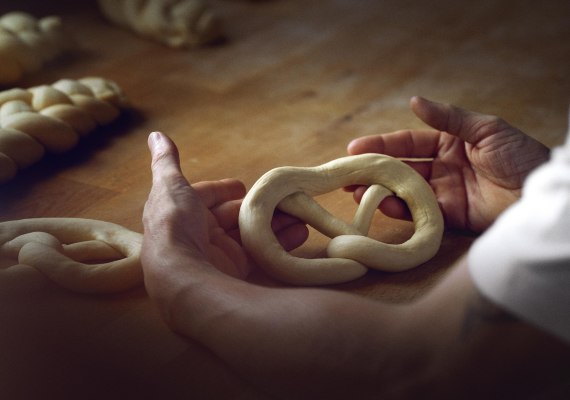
pixel 27 43
pixel 52 118
pixel 350 252
pixel 176 23
pixel 72 251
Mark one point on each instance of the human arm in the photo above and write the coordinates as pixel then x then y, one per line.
pixel 317 343
pixel 479 161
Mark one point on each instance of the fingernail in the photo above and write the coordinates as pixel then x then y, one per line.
pixel 155 138
pixel 417 99
pixel 156 141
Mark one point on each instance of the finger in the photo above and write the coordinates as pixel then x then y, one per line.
pixel 421 167
pixel 169 186
pixel 292 236
pixel 235 235
pixel 404 144
pixel 289 231
pixel 227 214
pixel 165 159
pixel 283 220
pixel 228 256
pixel 351 188
pixel 394 207
pixel 391 206
pixel 470 126
pixel 214 193
pixel 171 199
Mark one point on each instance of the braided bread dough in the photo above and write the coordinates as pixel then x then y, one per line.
pixel 52 118
pixel 82 255
pixel 176 23
pixel 27 43
pixel 351 252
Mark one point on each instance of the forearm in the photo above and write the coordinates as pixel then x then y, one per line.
pixel 309 343
pixel 296 343
pixel 482 351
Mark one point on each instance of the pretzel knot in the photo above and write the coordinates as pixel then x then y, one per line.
pixel 82 255
pixel 350 251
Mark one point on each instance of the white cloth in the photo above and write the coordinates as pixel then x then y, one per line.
pixel 522 262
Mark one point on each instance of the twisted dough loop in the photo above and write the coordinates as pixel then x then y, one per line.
pixel 52 118
pixel 27 44
pixel 70 250
pixel 350 253
pixel 175 23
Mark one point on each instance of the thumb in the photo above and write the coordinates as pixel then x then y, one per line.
pixel 165 159
pixel 467 125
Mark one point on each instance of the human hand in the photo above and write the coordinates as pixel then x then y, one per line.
pixel 268 335
pixel 479 162
pixel 196 226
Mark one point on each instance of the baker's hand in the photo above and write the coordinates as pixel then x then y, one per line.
pixel 298 343
pixel 479 162
pixel 196 226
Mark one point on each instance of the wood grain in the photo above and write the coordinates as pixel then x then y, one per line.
pixel 292 84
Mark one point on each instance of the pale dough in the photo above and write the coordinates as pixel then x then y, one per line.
pixel 176 23
pixel 82 255
pixel 52 118
pixel 350 252
pixel 27 44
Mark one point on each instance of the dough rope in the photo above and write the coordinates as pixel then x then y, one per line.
pixel 52 118
pixel 175 23
pixel 27 44
pixel 82 255
pixel 350 252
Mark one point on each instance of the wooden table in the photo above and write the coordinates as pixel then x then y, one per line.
pixel 293 83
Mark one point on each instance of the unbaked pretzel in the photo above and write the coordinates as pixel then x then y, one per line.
pixel 350 252
pixel 27 43
pixel 82 255
pixel 53 118
pixel 176 23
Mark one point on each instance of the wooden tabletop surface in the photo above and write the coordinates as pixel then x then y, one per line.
pixel 293 82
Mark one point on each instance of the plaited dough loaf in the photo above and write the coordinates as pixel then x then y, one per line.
pixel 27 44
pixel 176 23
pixel 52 118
